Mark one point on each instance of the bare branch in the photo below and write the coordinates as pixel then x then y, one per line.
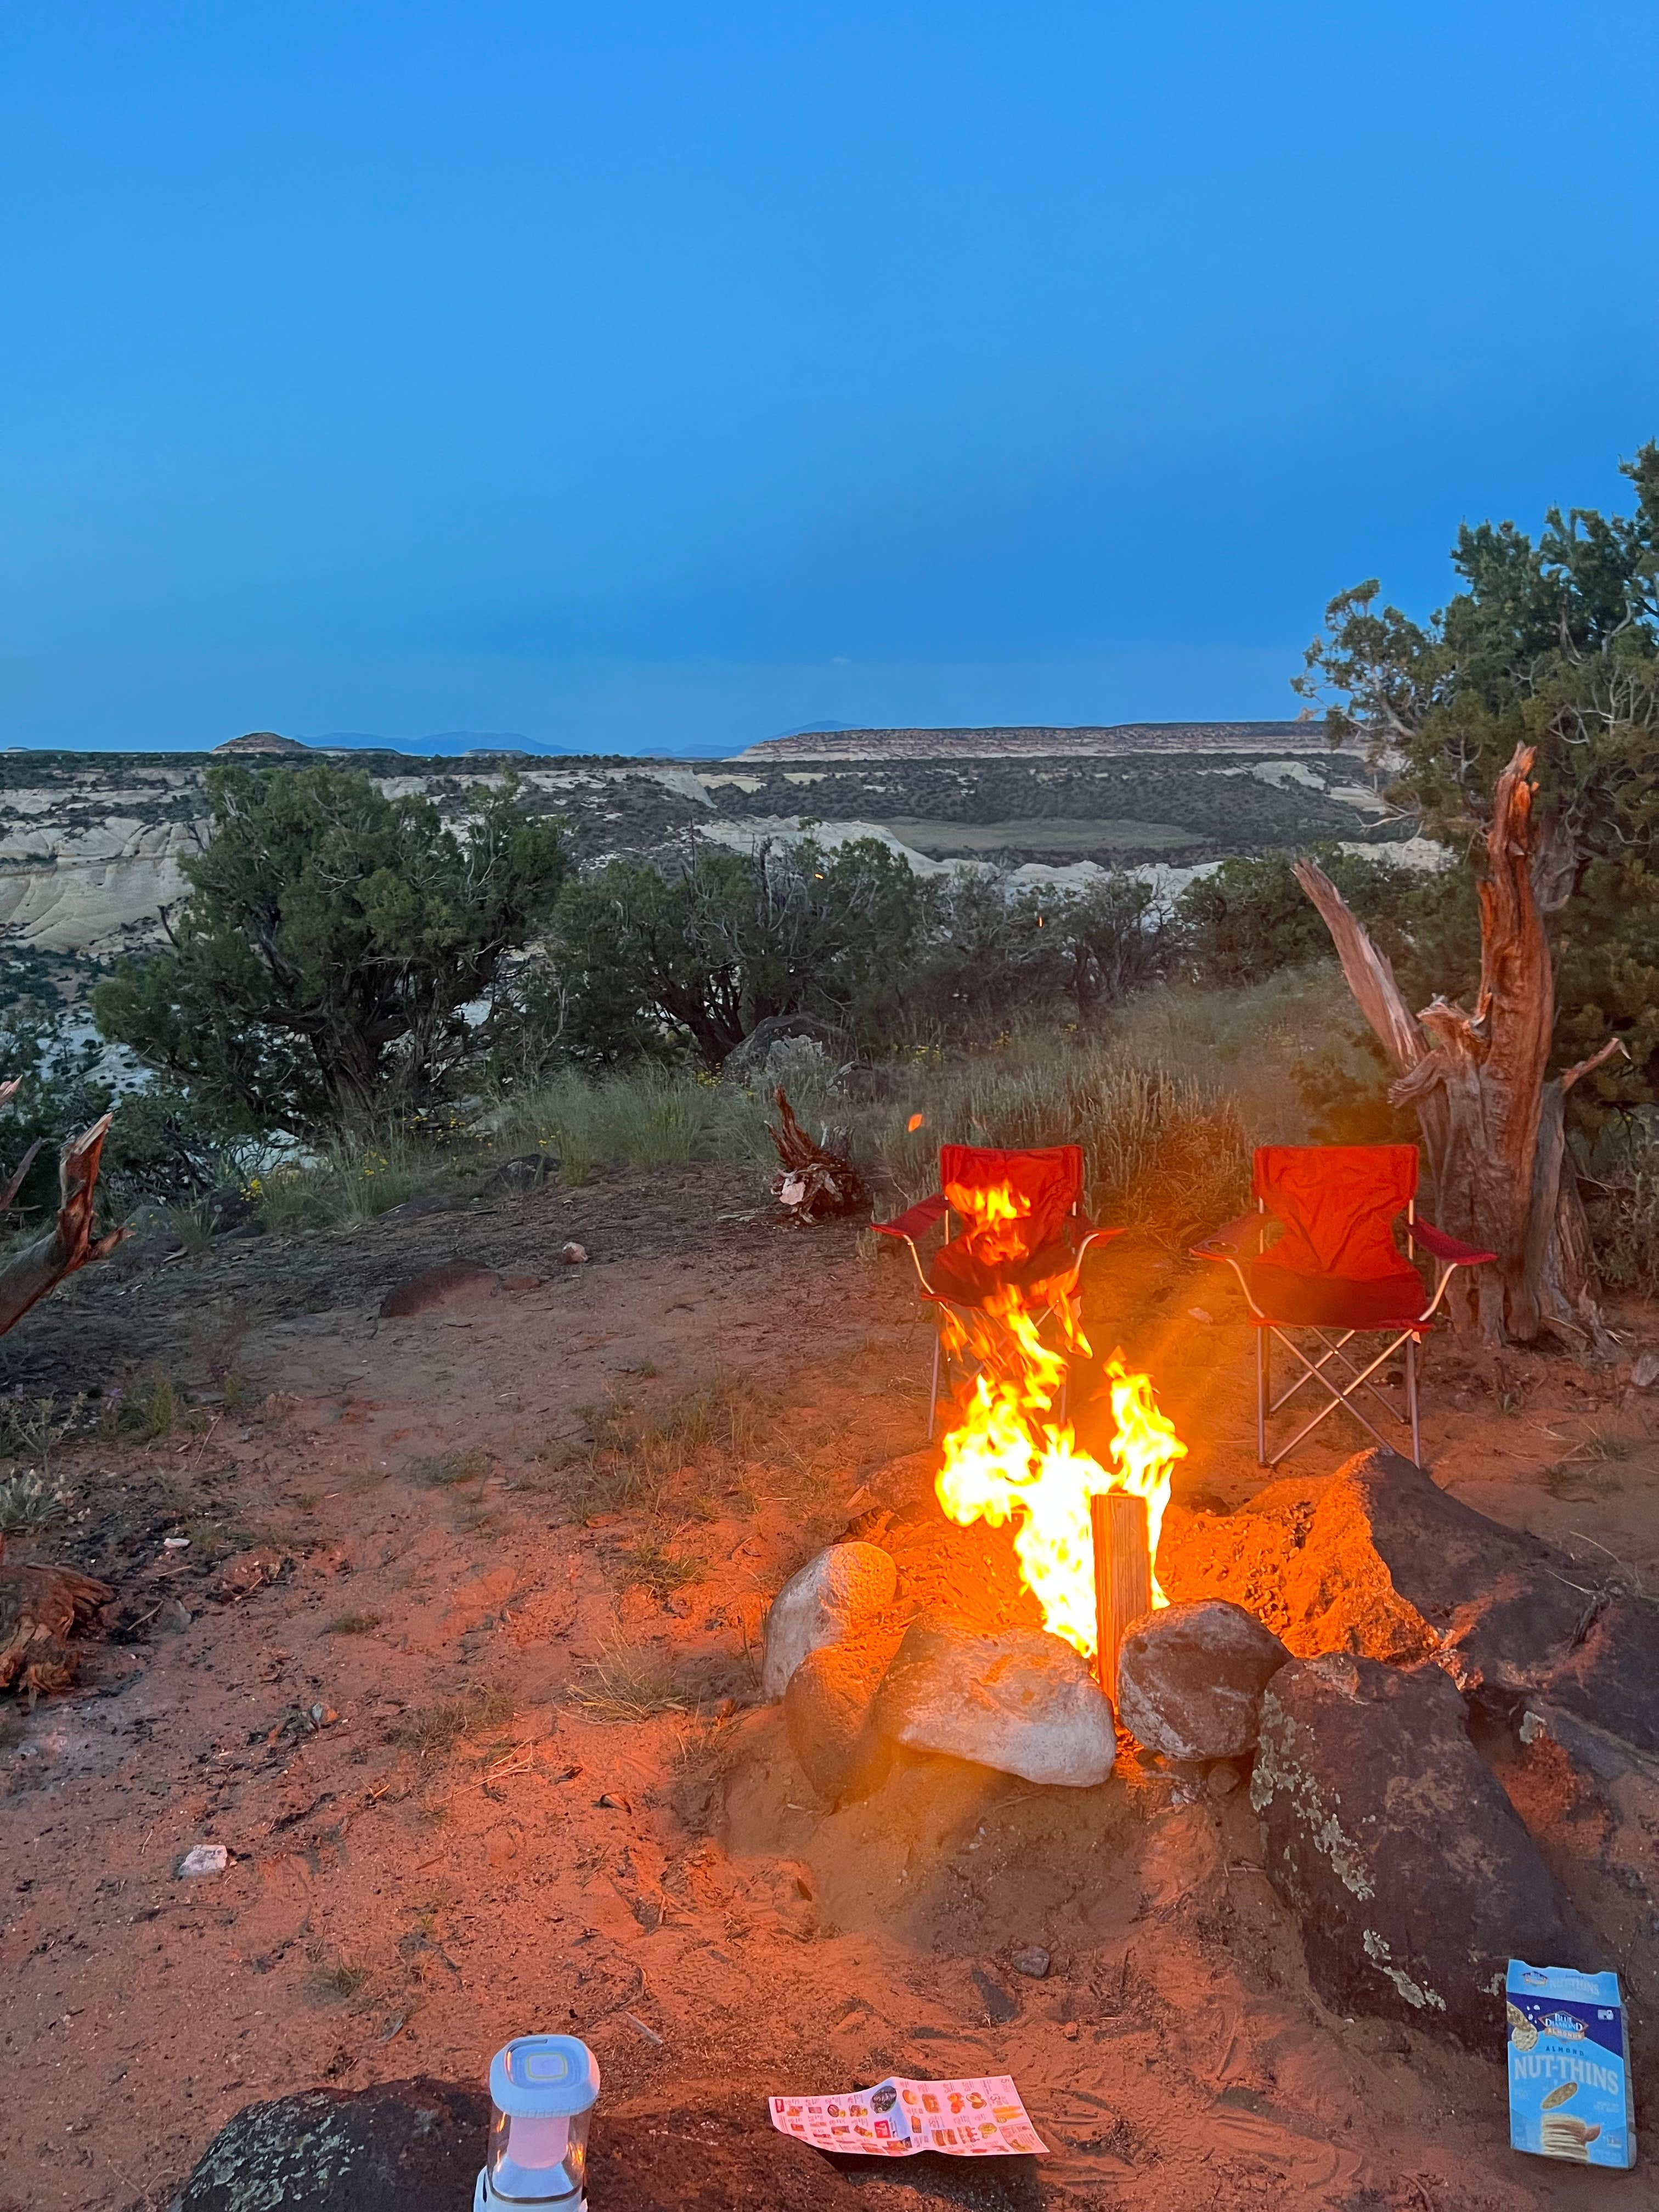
pixel 1588 1067
pixel 1370 973
pixel 69 1244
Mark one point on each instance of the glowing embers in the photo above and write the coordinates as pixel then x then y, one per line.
pixel 1007 1460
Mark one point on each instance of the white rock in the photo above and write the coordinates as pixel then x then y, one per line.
pixel 572 1255
pixel 1024 1703
pixel 1645 1373
pixel 823 1604
pixel 202 1859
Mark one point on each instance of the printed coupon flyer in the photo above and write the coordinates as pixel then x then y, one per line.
pixel 982 2117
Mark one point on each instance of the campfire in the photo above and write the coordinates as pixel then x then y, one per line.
pixel 1009 1458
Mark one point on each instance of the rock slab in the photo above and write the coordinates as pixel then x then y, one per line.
pixel 400 2146
pixel 824 1603
pixel 1191 1679
pixel 1395 1569
pixel 1023 1702
pixel 1412 1877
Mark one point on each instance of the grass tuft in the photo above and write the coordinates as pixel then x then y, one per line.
pixel 660 1571
pixel 336 1983
pixel 428 1730
pixel 30 1500
pixel 629 1682
pixel 450 1468
pixel 637 1454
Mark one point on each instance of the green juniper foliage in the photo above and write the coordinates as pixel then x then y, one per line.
pixel 320 969
pixel 1554 643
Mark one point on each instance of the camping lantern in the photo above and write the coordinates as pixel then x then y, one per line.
pixel 544 2089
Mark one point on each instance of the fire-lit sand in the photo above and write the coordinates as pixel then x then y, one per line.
pixel 542 1795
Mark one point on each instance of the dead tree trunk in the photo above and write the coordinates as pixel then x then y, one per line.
pixel 70 1243
pixel 1492 1119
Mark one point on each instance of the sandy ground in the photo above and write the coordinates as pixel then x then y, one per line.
pixel 389 1668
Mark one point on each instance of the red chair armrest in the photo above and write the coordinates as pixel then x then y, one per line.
pixel 1233 1239
pixel 917 1221
pixel 1448 1249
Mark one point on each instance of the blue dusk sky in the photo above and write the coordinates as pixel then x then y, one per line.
pixel 662 377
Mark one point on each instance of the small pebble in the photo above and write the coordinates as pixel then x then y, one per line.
pixel 1198 1313
pixel 1223 1778
pixel 572 1255
pixel 202 1859
pixel 1070 2031
pixel 175 1543
pixel 324 1716
pixel 1033 1960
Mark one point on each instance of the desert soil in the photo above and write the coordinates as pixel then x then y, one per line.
pixel 459 1662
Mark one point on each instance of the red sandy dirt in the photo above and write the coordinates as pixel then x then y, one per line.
pixel 386 1525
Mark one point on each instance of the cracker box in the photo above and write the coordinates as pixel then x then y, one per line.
pixel 1570 2094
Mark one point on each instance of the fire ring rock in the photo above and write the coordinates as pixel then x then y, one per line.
pixel 1386 1833
pixel 398 2147
pixel 1023 1702
pixel 823 1604
pixel 1191 1679
pixel 826 1712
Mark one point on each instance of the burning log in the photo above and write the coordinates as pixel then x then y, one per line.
pixel 1008 1459
pixel 69 1244
pixel 1123 1576
pixel 815 1179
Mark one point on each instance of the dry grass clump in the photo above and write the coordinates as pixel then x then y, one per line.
pixel 336 1983
pixel 655 1568
pixel 627 1680
pixel 428 1730
pixel 638 1453
pixel 447 1469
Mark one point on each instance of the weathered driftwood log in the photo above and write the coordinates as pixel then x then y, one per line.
pixel 814 1179
pixel 70 1243
pixel 1492 1117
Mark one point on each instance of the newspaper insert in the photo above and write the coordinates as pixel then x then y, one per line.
pixel 981 2117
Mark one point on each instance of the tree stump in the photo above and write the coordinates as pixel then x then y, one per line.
pixel 1493 1119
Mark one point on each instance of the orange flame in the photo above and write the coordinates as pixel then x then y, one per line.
pixel 1007 1460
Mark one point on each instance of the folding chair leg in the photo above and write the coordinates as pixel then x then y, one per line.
pixel 1262 1382
pixel 1411 1399
pixel 933 1395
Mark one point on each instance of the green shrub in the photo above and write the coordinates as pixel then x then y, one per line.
pixel 1251 917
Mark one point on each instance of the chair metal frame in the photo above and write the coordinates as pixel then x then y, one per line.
pixel 916 1222
pixel 1230 1245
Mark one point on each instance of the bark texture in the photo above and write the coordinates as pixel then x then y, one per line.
pixel 1492 1117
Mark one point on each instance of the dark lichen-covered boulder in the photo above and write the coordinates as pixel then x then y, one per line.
pixel 400 2146
pixel 1410 1872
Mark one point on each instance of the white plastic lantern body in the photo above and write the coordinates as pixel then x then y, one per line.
pixel 544 2089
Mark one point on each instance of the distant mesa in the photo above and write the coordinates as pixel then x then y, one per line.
pixel 264 741
pixel 1043 742
pixel 442 745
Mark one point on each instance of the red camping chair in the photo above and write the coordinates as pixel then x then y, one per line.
pixel 1034 1242
pixel 1336 1271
